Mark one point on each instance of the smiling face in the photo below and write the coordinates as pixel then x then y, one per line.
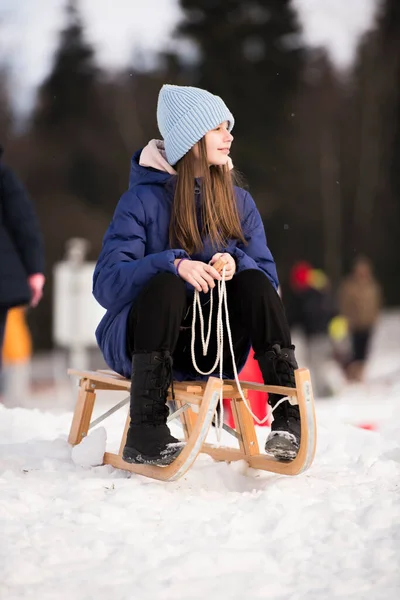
pixel 218 143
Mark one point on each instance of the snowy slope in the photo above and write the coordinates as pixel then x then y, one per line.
pixel 223 531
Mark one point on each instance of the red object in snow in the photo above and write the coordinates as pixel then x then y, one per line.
pixel 300 275
pixel 368 426
pixel 257 400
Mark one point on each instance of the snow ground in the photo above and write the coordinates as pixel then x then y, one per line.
pixel 223 531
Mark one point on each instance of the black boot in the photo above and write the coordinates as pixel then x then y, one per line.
pixel 277 367
pixel 149 440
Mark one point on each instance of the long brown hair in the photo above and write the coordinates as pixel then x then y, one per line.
pixel 219 213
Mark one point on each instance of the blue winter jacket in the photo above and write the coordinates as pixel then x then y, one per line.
pixel 136 248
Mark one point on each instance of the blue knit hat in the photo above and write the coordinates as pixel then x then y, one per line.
pixel 185 114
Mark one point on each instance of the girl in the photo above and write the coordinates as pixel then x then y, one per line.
pixel 180 214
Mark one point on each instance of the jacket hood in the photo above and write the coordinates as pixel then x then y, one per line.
pixel 149 165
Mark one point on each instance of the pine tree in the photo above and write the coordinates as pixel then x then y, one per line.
pixel 249 54
pixel 391 34
pixel 74 159
pixel 73 122
pixel 68 95
pixel 6 115
pixel 371 152
pixel 389 256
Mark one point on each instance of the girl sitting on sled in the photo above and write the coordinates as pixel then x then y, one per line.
pixel 181 213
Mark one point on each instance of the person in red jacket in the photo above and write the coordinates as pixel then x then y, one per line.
pixel 309 303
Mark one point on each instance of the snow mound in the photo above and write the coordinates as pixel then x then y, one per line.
pixel 90 452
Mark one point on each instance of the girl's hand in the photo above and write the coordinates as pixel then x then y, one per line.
pixel 200 275
pixel 230 268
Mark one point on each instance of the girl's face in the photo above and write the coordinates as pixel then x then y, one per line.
pixel 218 143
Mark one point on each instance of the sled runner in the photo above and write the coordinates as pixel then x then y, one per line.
pixel 195 405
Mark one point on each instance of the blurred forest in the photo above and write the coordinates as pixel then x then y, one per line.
pixel 320 150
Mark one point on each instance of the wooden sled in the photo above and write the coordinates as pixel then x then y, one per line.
pixel 195 405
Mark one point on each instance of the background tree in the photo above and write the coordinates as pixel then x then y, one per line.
pixel 74 158
pixel 72 120
pixel 369 147
pixel 249 53
pixel 6 115
pixel 387 255
pixel 309 214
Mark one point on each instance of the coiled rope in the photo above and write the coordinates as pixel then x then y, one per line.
pixel 222 307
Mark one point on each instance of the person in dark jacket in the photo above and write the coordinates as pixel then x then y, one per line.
pixel 180 214
pixel 21 248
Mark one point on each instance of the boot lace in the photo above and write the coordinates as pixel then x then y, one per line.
pixel 282 366
pixel 161 383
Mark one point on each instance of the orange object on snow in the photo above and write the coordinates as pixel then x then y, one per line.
pixel 17 346
pixel 258 400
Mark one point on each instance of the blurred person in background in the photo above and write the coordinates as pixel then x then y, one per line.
pixel 310 305
pixel 21 252
pixel 360 302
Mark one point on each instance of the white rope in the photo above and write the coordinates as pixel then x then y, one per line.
pixel 222 303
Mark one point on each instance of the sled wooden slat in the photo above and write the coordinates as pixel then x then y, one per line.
pixel 111 373
pixel 124 434
pixel 202 398
pixel 82 415
pixel 188 419
pixel 186 397
pixel 192 389
pixel 115 381
pixel 244 423
pixel 223 453
pixel 196 398
pixel 270 389
pixel 250 385
pixel 199 387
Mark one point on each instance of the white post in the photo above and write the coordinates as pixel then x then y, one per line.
pixel 76 312
pixel 75 256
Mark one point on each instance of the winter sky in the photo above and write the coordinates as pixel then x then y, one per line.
pixel 121 28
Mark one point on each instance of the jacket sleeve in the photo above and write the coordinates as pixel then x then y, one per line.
pixel 256 254
pixel 123 268
pixel 21 222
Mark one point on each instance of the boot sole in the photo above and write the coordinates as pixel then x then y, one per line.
pixel 132 456
pixel 281 448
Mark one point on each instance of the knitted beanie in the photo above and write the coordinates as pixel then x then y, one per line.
pixel 185 114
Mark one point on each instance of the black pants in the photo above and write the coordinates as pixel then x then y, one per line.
pixel 3 318
pixel 160 319
pixel 360 343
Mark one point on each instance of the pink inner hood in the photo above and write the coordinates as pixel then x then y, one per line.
pixel 153 155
